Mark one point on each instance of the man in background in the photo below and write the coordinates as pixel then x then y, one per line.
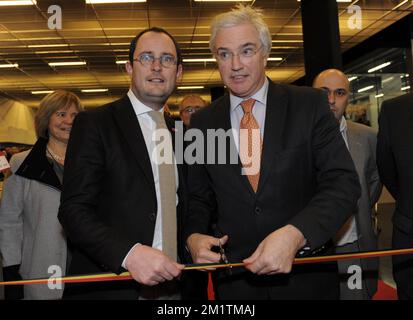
pixel 189 105
pixel 359 233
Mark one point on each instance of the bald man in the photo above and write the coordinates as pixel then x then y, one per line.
pixel 189 105
pixel 359 233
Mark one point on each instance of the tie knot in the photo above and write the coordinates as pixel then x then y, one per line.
pixel 247 105
pixel 158 118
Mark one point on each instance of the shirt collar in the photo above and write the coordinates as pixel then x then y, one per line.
pixel 138 106
pixel 343 124
pixel 260 96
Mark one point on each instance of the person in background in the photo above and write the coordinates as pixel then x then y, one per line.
pixel 32 242
pixel 189 105
pixel 394 159
pixel 359 233
pixel 293 184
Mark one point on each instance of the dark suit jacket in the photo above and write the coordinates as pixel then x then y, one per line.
pixel 108 201
pixel 307 179
pixel 394 160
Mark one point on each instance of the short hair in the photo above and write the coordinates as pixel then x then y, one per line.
pixel 239 15
pixel 133 43
pixel 59 99
pixel 191 96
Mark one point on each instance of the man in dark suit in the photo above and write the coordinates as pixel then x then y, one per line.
pixel 119 205
pixel 303 191
pixel 394 160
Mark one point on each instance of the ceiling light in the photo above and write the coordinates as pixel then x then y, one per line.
pixel 18 3
pixel 94 90
pixel 47 45
pixel 275 59
pixel 365 88
pixel 199 60
pixel 121 61
pixel 352 78
pixel 379 95
pixel 9 65
pixel 287 41
pixel 42 92
pixel 222 0
pixel 191 87
pixel 400 4
pixel 405 88
pixel 67 63
pixel 380 66
pixel 387 79
pixel 111 1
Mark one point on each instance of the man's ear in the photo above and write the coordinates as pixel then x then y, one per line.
pixel 179 72
pixel 129 68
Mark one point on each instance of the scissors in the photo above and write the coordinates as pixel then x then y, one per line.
pixel 224 258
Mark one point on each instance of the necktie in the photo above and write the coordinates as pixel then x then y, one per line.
pixel 250 144
pixel 167 186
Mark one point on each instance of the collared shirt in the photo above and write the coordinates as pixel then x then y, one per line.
pixel 259 109
pixel 348 232
pixel 148 126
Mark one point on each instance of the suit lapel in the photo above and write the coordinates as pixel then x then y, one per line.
pixel 132 133
pixel 223 120
pixel 277 102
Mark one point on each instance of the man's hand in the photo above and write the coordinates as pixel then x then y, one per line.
pixel 151 266
pixel 200 245
pixel 276 253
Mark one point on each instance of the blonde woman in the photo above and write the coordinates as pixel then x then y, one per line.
pixel 32 242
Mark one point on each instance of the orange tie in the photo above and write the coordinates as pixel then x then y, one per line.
pixel 250 144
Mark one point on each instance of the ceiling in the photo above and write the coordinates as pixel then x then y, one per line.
pixel 100 36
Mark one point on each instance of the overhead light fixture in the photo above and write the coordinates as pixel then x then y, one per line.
pixel 352 78
pixel 222 0
pixel 191 87
pixel 112 1
pixel 18 3
pixel 42 92
pixel 399 5
pixel 387 79
pixel 199 60
pixel 346 1
pixel 365 89
pixel 47 45
pixel 121 61
pixel 94 90
pixel 379 95
pixel 9 65
pixel 67 63
pixel 380 66
pixel 287 41
pixel 275 59
pixel 405 88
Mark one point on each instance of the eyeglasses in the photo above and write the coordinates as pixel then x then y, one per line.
pixel 147 59
pixel 191 109
pixel 245 53
pixel 337 93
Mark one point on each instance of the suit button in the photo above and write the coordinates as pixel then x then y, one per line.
pixel 152 216
pixel 257 210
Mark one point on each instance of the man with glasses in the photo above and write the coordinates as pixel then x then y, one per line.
pixel 359 233
pixel 189 105
pixel 121 205
pixel 302 190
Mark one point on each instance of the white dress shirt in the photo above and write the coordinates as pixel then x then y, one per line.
pixel 260 106
pixel 148 126
pixel 348 232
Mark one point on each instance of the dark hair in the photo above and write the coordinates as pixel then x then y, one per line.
pixel 158 30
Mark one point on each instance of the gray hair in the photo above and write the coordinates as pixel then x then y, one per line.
pixel 239 15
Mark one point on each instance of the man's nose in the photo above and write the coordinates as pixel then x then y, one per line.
pixel 156 65
pixel 331 98
pixel 236 62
